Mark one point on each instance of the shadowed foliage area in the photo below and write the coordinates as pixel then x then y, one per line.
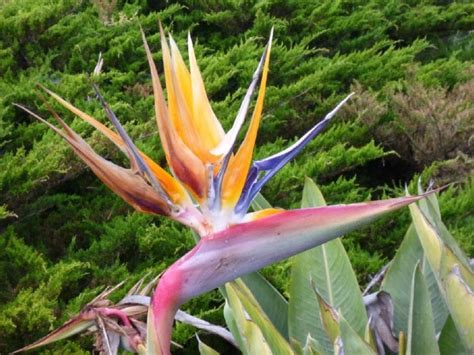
pixel 64 236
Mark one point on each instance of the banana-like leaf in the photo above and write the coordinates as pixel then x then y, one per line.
pixel 232 324
pixel 449 341
pixel 276 342
pixel 205 349
pixel 251 336
pixel 329 319
pixel 453 276
pixel 431 212
pixel 351 341
pixel 328 266
pixel 460 299
pixel 270 300
pixel 439 255
pixel 400 273
pixel 260 202
pixel 344 338
pixel 421 337
pixel 311 347
pixel 438 304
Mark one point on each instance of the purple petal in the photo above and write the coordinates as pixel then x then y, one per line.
pixel 274 163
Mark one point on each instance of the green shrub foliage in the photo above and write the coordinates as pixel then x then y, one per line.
pixel 63 235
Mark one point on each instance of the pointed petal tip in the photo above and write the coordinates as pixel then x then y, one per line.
pixel 271 34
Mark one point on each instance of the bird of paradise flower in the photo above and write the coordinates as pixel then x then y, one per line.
pixel 211 185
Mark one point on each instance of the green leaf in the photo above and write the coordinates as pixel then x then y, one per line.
pixel 270 299
pixel 460 299
pixel 274 339
pixel 438 304
pixel 421 336
pixel 400 272
pixel 260 203
pixel 251 336
pixel 430 209
pixel 232 324
pixel 312 347
pixel 352 343
pixel 438 253
pixel 205 349
pixel 449 340
pixel 329 318
pixel 328 266
pixel 454 277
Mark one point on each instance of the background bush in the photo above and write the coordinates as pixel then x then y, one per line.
pixel 64 235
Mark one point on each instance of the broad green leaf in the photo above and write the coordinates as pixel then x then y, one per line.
pixel 460 299
pixel 352 343
pixel 329 319
pixel 260 203
pixel 270 299
pixel 449 260
pixel 430 209
pixel 328 266
pixel 449 341
pixel 430 204
pixel 274 339
pixel 344 338
pixel 452 274
pixel 205 349
pixel 421 336
pixel 399 273
pixel 430 241
pixel 232 325
pixel 438 304
pixel 251 336
pixel 312 347
pixel 438 253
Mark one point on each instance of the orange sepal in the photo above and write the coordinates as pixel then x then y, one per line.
pixel 124 182
pixel 175 190
pixel 189 169
pixel 239 164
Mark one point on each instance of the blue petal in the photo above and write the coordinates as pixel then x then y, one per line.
pixel 263 170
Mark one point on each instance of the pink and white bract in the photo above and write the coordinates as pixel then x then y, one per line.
pixel 213 180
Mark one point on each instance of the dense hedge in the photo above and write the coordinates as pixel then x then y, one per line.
pixel 64 235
